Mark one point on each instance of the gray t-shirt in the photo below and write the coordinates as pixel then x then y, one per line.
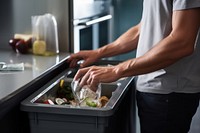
pixel 156 24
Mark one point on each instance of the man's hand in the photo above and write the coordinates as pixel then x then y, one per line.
pixel 94 75
pixel 89 57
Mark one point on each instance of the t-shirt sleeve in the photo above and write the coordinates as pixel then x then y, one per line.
pixel 185 4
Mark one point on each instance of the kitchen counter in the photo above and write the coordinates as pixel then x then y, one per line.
pixel 15 86
pixel 35 66
pixel 39 70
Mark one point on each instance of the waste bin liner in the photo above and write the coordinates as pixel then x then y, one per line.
pixel 49 118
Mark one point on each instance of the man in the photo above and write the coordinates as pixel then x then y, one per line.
pixel 167 64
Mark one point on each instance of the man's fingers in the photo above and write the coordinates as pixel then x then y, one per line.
pixel 81 72
pixel 73 63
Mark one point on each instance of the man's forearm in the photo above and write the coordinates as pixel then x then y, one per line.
pixel 178 44
pixel 125 43
pixel 161 56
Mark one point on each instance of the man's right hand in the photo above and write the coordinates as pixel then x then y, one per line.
pixel 89 57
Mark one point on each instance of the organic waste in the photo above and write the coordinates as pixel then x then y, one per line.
pixel 64 96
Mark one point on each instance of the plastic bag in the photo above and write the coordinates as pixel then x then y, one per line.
pixel 45 34
pixel 85 94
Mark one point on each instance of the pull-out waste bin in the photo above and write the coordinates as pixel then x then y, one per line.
pixel 48 118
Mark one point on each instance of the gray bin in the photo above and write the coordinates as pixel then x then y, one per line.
pixel 45 118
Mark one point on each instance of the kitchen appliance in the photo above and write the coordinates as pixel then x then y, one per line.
pixel 90 24
pixel 82 24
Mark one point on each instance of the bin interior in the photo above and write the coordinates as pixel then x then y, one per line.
pixel 113 91
pixel 107 90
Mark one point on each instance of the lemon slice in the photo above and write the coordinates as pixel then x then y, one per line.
pixel 61 83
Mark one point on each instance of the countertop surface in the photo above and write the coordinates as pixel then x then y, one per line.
pixel 35 66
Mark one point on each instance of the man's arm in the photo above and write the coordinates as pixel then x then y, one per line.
pixel 125 43
pixel 180 43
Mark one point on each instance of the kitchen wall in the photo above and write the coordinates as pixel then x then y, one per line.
pixel 16 15
pixel 127 13
pixel 6 25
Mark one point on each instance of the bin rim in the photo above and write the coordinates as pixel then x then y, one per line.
pixel 109 110
pixel 28 106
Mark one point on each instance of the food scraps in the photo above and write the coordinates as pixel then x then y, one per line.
pixel 64 96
